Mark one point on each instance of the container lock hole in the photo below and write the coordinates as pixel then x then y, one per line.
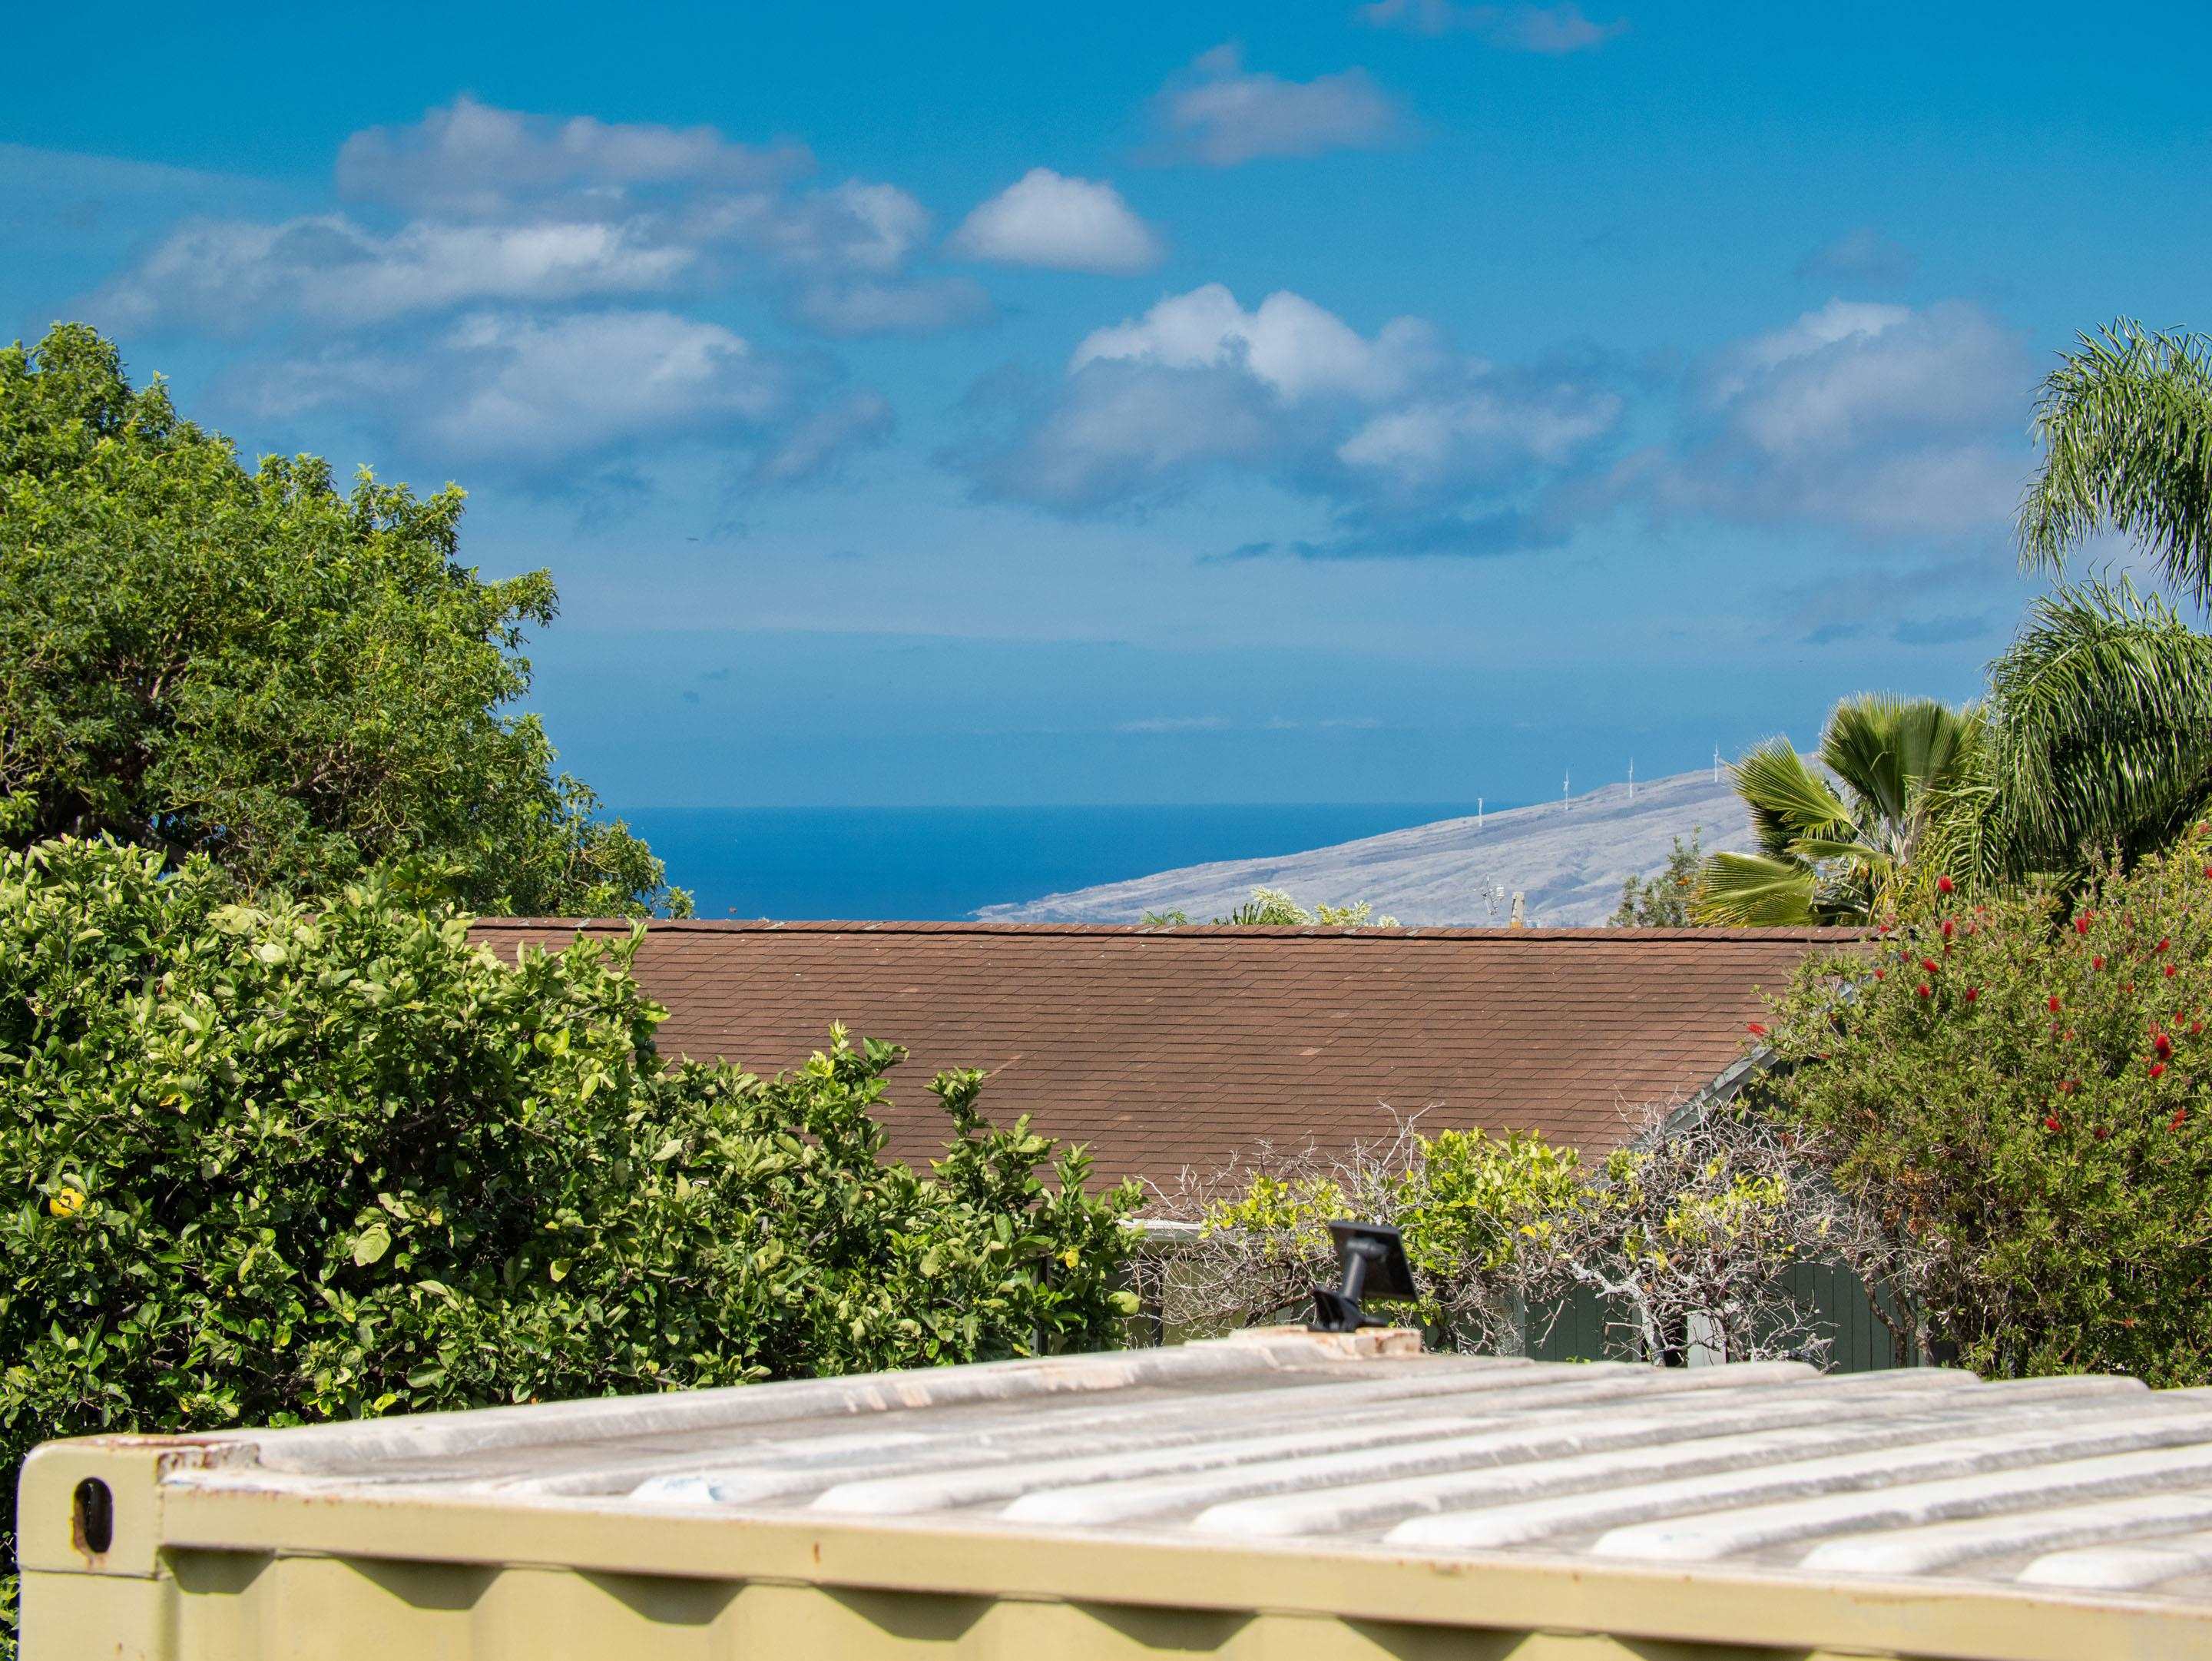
pixel 92 1516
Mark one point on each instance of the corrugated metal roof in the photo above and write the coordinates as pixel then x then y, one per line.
pixel 1332 1447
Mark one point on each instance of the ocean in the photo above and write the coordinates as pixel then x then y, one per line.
pixel 936 864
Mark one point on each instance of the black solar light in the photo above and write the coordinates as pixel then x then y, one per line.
pixel 1373 1260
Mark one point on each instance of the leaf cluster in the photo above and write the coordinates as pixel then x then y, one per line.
pixel 2019 1089
pixel 267 1163
pixel 301 683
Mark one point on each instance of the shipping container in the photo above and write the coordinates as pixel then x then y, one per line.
pixel 1279 1496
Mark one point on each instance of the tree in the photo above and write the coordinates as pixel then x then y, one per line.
pixel 1663 900
pixel 2125 423
pixel 299 684
pixel 2101 720
pixel 2020 1092
pixel 1271 908
pixel 286 1162
pixel 1906 767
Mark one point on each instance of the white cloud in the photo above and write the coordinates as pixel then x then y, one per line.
pixel 234 274
pixel 1554 30
pixel 1852 374
pixel 1885 419
pixel 1296 349
pixel 1484 433
pixel 510 208
pixel 471 158
pixel 1414 447
pixel 1221 113
pixel 1045 218
pixel 540 397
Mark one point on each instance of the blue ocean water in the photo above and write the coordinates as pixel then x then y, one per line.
pixel 936 864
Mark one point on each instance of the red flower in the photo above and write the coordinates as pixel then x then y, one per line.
pixel 1946 928
pixel 2163 1044
pixel 2097 962
pixel 2068 1086
pixel 1972 992
pixel 2166 943
pixel 2196 1026
pixel 2169 971
pixel 2054 1003
pixel 1754 1029
pixel 2082 922
pixel 1931 965
pixel 2050 1124
pixel 2101 1133
pixel 2180 1114
pixel 2157 1068
pixel 1926 990
pixel 1943 884
pixel 1881 974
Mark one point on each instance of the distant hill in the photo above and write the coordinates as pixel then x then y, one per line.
pixel 1569 862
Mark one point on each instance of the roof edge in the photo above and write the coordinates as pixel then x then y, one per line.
pixel 1592 933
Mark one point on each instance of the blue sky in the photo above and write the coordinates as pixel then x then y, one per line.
pixel 1003 404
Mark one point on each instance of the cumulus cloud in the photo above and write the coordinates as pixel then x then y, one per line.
pixel 471 159
pixel 531 396
pixel 1414 448
pixel 1294 347
pixel 1222 114
pixel 1864 255
pixel 1881 418
pixel 234 275
pixel 1554 30
pixel 1045 218
pixel 506 209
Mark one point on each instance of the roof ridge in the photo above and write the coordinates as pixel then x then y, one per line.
pixel 1590 933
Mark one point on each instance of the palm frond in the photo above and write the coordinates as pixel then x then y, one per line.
pixel 1787 801
pixel 1753 890
pixel 2103 714
pixel 2125 421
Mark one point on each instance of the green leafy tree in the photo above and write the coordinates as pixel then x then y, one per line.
pixel 1663 900
pixel 280 1163
pixel 300 683
pixel 1905 766
pixel 2021 1091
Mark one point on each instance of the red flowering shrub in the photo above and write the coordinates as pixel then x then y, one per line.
pixel 2051 1180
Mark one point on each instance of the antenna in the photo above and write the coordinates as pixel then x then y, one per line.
pixel 1631 778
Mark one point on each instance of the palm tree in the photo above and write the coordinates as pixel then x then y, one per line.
pixel 2125 421
pixel 1909 768
pixel 2103 705
pixel 2101 721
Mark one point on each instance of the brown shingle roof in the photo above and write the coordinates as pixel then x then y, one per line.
pixel 1179 1047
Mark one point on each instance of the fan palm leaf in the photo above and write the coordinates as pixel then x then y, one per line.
pixel 1826 855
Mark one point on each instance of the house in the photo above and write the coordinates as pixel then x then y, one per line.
pixel 1168 1050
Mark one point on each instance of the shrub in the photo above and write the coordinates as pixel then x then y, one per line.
pixel 2020 1092
pixel 1684 1235
pixel 274 1165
